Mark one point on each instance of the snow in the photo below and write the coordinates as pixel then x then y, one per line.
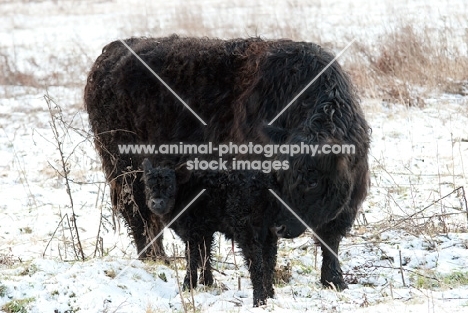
pixel 418 156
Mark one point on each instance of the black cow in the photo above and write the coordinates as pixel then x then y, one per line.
pixel 236 86
pixel 235 203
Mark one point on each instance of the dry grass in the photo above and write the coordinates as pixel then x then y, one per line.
pixel 11 75
pixel 408 63
pixel 7 259
pixel 404 64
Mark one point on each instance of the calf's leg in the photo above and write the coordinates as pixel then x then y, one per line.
pixel 198 254
pixel 269 252
pixel 252 252
pixel 192 256
pixel 206 275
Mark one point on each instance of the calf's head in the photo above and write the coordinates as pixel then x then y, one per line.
pixel 161 184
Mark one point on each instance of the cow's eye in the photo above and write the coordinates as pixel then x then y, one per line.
pixel 313 184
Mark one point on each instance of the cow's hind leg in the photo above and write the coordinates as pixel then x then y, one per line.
pixel 143 225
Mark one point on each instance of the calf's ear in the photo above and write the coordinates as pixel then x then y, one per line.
pixel 146 164
pixel 182 173
pixel 275 134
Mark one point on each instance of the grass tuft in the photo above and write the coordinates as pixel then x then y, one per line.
pixel 17 306
pixel 408 63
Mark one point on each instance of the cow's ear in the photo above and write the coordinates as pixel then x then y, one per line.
pixel 275 134
pixel 182 173
pixel 146 164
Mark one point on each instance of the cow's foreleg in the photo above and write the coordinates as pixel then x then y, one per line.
pixel 332 233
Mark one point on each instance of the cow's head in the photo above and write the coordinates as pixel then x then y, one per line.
pixel 161 185
pixel 317 188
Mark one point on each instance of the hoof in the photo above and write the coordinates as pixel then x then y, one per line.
pixel 186 285
pixel 332 277
pixel 258 302
pixel 207 280
pixel 335 284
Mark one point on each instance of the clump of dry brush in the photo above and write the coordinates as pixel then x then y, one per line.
pixel 409 62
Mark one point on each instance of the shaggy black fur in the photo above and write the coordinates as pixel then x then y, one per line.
pixel 236 203
pixel 236 86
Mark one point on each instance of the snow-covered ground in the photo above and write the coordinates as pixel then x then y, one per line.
pixel 406 253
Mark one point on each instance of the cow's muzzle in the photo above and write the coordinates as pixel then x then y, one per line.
pixel 279 231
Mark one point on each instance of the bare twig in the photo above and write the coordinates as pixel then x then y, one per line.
pixel 178 281
pixel 58 225
pixel 22 172
pixel 412 216
pixel 407 270
pixel 464 198
pixel 65 169
pixel 191 283
pixel 401 270
pixel 99 241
